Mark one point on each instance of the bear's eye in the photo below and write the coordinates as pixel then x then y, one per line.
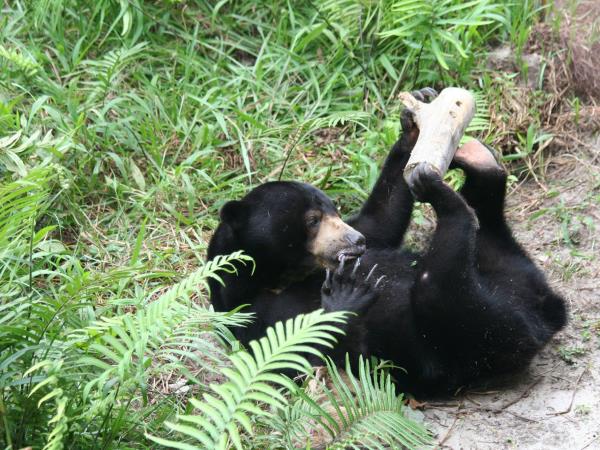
pixel 313 220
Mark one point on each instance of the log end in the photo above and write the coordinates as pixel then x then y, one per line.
pixel 441 124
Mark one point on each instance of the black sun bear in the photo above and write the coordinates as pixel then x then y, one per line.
pixel 473 305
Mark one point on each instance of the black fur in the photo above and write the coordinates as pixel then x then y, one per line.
pixel 474 305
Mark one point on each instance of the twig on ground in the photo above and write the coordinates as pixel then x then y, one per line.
pixel 568 410
pixel 449 432
pixel 503 408
pixel 594 439
pixel 479 407
pixel 524 394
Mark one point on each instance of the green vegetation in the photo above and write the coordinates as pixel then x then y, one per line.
pixel 570 354
pixel 124 126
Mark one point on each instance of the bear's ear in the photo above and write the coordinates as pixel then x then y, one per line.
pixel 234 213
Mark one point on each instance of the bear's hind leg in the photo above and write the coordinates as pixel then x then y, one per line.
pixel 501 261
pixel 485 185
pixel 484 190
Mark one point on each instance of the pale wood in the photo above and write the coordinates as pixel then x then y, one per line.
pixel 442 124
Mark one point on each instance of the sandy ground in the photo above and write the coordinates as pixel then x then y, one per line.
pixel 556 403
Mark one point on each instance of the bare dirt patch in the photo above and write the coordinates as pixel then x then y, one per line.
pixel 556 403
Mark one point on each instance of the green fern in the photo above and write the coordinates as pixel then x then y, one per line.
pixel 58 423
pixel 371 412
pixel 98 370
pixel 362 412
pixel 22 62
pixel 123 346
pixel 481 121
pixel 252 383
pixel 105 72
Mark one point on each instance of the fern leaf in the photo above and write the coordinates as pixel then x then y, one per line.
pixel 122 345
pixel 253 382
pixel 363 411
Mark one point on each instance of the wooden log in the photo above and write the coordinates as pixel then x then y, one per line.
pixel 441 125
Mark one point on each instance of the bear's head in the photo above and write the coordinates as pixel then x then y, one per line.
pixel 290 224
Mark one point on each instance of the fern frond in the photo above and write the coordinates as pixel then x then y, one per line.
pixel 480 123
pixel 252 383
pixel 481 120
pixel 19 60
pixel 123 346
pixel 58 423
pixel 106 71
pixel 21 201
pixel 363 411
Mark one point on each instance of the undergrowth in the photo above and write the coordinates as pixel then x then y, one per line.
pixel 124 126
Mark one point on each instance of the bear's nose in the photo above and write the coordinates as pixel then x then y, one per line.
pixel 355 239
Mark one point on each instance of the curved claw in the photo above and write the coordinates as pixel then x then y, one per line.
pixel 327 282
pixel 425 95
pixel 429 93
pixel 342 292
pixel 407 120
pixel 371 272
pixel 340 268
pixel 379 280
pixel 356 265
pixel 418 95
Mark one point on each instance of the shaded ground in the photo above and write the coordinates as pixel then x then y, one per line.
pixel 556 404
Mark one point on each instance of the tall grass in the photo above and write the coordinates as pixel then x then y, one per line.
pixel 124 126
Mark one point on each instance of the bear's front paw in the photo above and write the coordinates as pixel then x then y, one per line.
pixel 410 131
pixel 425 181
pixel 344 291
pixel 425 95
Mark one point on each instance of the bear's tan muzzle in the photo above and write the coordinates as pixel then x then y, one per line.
pixel 336 240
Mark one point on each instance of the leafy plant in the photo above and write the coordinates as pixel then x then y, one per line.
pixel 57 378
pixel 353 412
pixel 252 382
pixel 520 16
pixel 437 27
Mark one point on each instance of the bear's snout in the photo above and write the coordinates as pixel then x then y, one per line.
pixel 336 240
pixel 355 238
